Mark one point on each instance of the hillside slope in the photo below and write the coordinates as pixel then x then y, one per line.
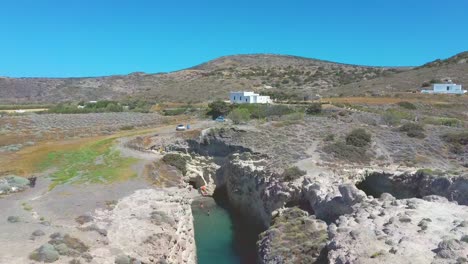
pixel 454 68
pixel 209 80
pixel 214 79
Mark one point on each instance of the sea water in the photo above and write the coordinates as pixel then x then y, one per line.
pixel 214 233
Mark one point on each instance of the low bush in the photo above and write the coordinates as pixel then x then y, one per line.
pixel 343 151
pixel 259 111
pixel 292 173
pixel 329 137
pixel 456 138
pixel 314 108
pixel 239 116
pixel 458 141
pixel 407 105
pixel 218 108
pixel 176 160
pixel 174 111
pixel 129 127
pixel 358 138
pixel 413 130
pixel 443 121
pixel 393 117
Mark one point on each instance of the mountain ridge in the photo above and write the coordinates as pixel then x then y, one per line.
pixel 215 78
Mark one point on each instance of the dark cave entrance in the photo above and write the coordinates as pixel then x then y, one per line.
pixel 377 183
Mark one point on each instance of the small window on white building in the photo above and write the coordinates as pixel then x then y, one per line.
pixel 234 97
pixel 246 99
pixel 448 88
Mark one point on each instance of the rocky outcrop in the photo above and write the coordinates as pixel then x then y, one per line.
pixel 388 230
pixel 253 190
pixel 11 184
pixel 294 237
pixel 149 226
pixel 419 184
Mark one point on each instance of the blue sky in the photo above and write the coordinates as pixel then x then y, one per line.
pixel 57 38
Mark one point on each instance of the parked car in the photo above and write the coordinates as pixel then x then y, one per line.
pixel 180 127
pixel 220 119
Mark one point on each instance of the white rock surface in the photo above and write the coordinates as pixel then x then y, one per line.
pixel 150 225
pixel 401 231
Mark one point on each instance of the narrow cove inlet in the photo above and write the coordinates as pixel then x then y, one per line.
pixel 214 236
pixel 222 236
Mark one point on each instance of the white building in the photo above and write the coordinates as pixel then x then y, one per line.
pixel 445 88
pixel 248 98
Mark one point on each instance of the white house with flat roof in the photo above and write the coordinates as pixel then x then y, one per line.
pixel 445 88
pixel 248 98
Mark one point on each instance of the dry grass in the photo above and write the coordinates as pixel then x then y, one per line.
pixel 409 97
pixel 26 161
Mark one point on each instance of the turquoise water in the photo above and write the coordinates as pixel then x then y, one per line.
pixel 214 235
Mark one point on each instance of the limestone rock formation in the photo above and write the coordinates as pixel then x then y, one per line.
pixel 294 237
pixel 150 226
pixel 388 230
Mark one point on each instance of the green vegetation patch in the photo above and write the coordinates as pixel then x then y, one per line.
pixel 23 106
pixel 407 105
pixel 414 130
pixel 394 117
pixel 314 109
pixel 103 106
pixel 343 151
pixel 259 111
pixel 358 138
pixel 239 116
pixel 443 121
pixel 458 138
pixel 292 173
pixel 353 149
pixel 93 163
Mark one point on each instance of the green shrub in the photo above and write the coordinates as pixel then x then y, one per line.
pixel 127 127
pixel 358 138
pixel 413 130
pixel 239 115
pixel 394 117
pixel 176 160
pixel 407 105
pixel 343 151
pixel 174 111
pixel 457 137
pixel 292 173
pixel 458 141
pixel 314 108
pixel 329 137
pixel 443 121
pixel 259 111
pixel 218 108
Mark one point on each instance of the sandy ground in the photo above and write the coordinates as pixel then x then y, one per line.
pixel 55 210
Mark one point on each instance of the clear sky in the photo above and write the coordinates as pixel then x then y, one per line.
pixel 60 38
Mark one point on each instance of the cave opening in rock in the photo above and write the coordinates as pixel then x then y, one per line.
pixel 377 183
pixel 193 184
pixel 245 231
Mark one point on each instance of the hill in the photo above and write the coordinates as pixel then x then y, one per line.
pixel 265 73
pixel 454 68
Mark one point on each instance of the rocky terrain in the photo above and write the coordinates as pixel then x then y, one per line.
pixel 388 230
pixel 294 183
pixel 265 73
